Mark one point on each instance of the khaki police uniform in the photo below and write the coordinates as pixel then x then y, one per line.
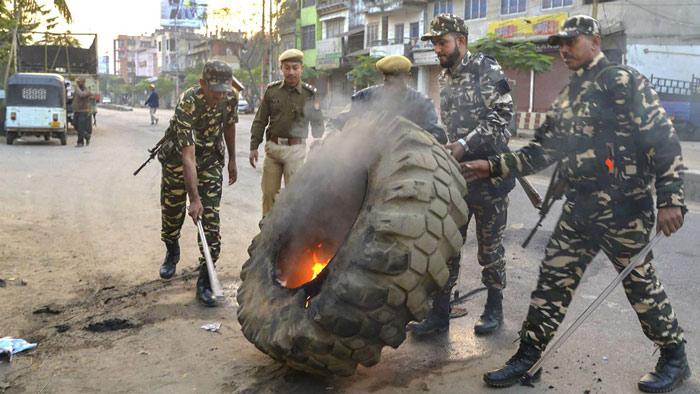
pixel 283 120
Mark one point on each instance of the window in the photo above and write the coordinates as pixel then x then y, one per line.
pixel 442 6
pixel 415 30
pixel 160 47
pixel 398 33
pixel 308 3
pixel 509 7
pixel 549 4
pixel 372 34
pixel 476 9
pixel 334 28
pixel 308 37
pixel 173 47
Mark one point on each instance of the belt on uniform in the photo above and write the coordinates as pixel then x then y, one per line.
pixel 286 141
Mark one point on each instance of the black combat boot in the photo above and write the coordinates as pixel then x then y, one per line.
pixel 671 369
pixel 172 257
pixel 492 318
pixel 438 319
pixel 204 293
pixel 515 368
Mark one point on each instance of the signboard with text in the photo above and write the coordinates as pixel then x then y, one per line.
pixel 183 13
pixel 527 27
pixel 326 64
pixel 329 48
pixel 424 58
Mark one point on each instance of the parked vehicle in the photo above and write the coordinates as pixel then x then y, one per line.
pixel 36 106
pixel 243 107
pixel 106 100
pixel 681 100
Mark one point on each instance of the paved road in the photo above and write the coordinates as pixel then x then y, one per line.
pixel 84 233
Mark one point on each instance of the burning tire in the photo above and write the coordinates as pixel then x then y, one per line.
pixel 380 203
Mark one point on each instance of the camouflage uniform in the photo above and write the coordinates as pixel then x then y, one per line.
pixel 413 105
pixel 476 106
pixel 613 138
pixel 195 123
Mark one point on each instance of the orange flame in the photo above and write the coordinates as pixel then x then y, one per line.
pixel 609 163
pixel 318 264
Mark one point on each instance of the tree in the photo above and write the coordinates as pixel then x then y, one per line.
pixel 521 56
pixel 192 79
pixel 365 74
pixel 23 17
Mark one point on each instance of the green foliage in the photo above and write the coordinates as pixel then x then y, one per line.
pixel 28 16
pixel 245 77
pixel 192 79
pixel 164 85
pixel 365 74
pixel 308 74
pixel 515 55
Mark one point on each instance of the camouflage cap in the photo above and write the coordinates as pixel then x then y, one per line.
pixel 218 76
pixel 443 24
pixel 575 25
pixel 394 65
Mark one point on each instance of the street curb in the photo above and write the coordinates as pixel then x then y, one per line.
pixel 115 107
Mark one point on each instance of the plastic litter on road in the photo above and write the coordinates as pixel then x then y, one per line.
pixel 213 327
pixel 10 346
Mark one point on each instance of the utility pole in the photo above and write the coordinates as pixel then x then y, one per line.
pixel 177 53
pixel 269 57
pixel 262 66
pixel 595 9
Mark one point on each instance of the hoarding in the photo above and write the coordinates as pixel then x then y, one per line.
pixel 527 27
pixel 103 64
pixel 183 13
pixel 329 48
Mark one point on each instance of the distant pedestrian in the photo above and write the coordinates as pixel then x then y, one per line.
pixel 152 102
pixel 81 112
pixel 93 108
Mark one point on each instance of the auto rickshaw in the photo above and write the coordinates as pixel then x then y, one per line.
pixel 36 106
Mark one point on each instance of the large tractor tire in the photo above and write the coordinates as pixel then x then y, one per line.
pixel 389 200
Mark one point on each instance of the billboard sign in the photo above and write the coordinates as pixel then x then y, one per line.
pixel 527 28
pixel 329 48
pixel 103 64
pixel 183 13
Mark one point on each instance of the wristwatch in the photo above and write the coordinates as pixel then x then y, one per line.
pixel 464 143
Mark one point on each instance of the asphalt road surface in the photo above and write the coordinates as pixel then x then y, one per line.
pixel 80 251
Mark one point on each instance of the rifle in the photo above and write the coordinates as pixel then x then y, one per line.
pixel 152 154
pixel 532 194
pixel 555 191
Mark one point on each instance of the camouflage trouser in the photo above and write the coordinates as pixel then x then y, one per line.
pixel 572 246
pixel 173 198
pixel 490 215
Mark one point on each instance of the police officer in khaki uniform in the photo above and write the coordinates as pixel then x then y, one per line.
pixel 287 108
pixel 394 96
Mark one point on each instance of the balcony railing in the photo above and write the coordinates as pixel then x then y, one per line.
pixel 377 6
pixel 328 6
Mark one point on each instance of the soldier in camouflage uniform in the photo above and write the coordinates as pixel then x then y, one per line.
pixel 394 96
pixel 476 107
pixel 192 158
pixel 612 138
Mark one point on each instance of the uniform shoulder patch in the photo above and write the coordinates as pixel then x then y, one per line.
pixel 308 87
pixel 275 83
